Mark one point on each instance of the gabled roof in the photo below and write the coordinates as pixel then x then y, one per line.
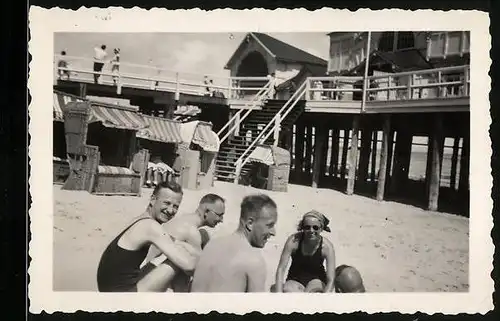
pixel 280 50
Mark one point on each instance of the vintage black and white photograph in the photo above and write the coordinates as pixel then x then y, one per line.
pixel 319 162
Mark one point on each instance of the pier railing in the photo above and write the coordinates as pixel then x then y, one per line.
pixel 233 125
pixel 449 82
pixel 152 77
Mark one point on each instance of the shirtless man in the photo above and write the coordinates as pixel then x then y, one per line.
pixel 185 228
pixel 348 280
pixel 234 263
pixel 119 267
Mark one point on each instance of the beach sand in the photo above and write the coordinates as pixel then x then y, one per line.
pixel 396 247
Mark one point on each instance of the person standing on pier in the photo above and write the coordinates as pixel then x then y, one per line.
pixel 99 58
pixel 115 65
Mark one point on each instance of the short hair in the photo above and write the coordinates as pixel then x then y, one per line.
pixel 252 205
pixel 211 199
pixel 103 47
pixel 171 185
pixel 63 53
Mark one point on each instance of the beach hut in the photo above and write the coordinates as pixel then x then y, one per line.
pixel 102 148
pixel 161 138
pixel 59 159
pixel 270 168
pixel 198 152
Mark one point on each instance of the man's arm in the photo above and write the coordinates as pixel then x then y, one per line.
pixel 283 263
pixel 329 254
pixel 256 274
pixel 179 257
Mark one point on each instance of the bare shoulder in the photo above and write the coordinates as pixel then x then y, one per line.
pixel 327 245
pixel 293 240
pixel 255 259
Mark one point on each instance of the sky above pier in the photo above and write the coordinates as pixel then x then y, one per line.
pixel 204 53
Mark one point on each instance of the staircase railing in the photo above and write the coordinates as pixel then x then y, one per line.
pixel 267 130
pixel 237 119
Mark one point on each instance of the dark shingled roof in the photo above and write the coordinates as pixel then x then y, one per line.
pixel 286 52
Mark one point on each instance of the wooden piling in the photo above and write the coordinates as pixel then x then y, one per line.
pixel 373 170
pixel 463 182
pixel 436 163
pixel 402 156
pixel 299 149
pixel 308 162
pixel 364 157
pixel 319 147
pixel 454 162
pixel 345 148
pixel 384 158
pixel 390 149
pixel 334 157
pixel 353 156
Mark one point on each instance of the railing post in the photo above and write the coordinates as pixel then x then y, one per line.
pixel 237 171
pixel 177 87
pixel 277 125
pixel 119 84
pixel 229 88
pixel 308 89
pixel 466 82
pixel 237 119
pixel 440 88
pixel 409 93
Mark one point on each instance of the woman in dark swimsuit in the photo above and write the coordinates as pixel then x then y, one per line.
pixel 308 251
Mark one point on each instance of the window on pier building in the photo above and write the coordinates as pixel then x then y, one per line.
pixel 392 41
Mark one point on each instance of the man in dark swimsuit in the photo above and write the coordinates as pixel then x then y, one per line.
pixel 119 267
pixel 186 228
pixel 308 250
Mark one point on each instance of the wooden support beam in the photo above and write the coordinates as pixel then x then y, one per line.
pixel 308 158
pixel 345 148
pixel 353 156
pixel 402 156
pixel 463 183
pixel 318 162
pixel 390 150
pixel 454 163
pixel 299 149
pixel 436 157
pixel 364 157
pixel 373 170
pixel 334 157
pixel 384 158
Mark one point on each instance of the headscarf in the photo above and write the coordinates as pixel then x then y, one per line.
pixel 320 217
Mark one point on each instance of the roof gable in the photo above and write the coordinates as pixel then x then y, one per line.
pixel 285 52
pixel 278 49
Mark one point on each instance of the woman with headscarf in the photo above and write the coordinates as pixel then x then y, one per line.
pixel 308 251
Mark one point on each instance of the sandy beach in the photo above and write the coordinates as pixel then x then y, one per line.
pixel 396 247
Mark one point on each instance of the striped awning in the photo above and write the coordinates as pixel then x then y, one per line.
pixel 206 138
pixel 262 154
pixel 60 102
pixel 160 130
pixel 115 117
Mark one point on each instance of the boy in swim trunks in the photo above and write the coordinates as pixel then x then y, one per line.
pixel 184 228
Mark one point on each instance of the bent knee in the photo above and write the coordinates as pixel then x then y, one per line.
pixel 315 286
pixel 293 286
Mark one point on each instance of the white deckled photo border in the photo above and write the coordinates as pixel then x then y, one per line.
pixel 43 23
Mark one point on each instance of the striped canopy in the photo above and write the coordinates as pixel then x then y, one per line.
pixel 115 117
pixel 206 138
pixel 110 116
pixel 160 130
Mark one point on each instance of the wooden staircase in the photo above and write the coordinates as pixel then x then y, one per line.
pixel 252 126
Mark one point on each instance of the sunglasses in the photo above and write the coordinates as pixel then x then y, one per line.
pixel 214 212
pixel 309 227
